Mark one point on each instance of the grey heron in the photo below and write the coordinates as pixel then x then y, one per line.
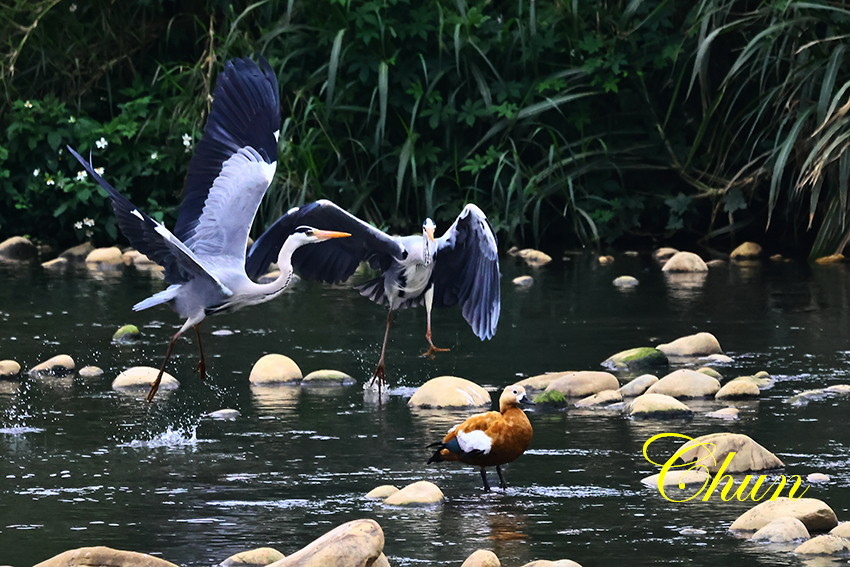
pixel 460 267
pixel 230 171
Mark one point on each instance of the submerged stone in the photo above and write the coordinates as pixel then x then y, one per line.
pixel 126 334
pixel 328 378
pixel 827 544
pixel 142 377
pixel 626 281
pixel 550 397
pixel 686 383
pixel 747 250
pixel 638 386
pixel 275 369
pixel 814 513
pixel 711 451
pixel 90 372
pixel 657 406
pixel 685 262
pixel 102 556
pixel 584 383
pixel 9 369
pixel 692 345
pixel 382 492
pixel 59 365
pixel 253 557
pixel 355 543
pixel 482 558
pixel 523 281
pixel 782 530
pixel 18 249
pixel 416 494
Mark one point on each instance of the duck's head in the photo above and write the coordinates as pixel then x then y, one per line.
pixel 513 396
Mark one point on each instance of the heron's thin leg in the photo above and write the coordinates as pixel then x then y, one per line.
pixel 155 384
pixel 379 374
pixel 201 369
pixel 429 301
pixel 484 479
pixel 502 482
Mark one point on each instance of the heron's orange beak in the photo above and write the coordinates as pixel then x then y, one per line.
pixel 328 234
pixel 429 232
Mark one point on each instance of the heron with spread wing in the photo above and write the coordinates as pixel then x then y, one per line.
pixel 228 175
pixel 459 268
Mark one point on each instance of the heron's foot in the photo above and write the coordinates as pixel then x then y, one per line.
pixel 154 388
pixel 379 377
pixel 201 369
pixel 433 350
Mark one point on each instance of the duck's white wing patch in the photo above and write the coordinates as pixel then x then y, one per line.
pixel 476 441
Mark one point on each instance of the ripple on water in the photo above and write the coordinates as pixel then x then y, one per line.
pixel 19 430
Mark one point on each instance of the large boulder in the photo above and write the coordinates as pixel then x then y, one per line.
pixel 381 492
pixel 635 359
pixel 699 344
pixel 142 377
pixel 584 383
pixel 103 557
pixel 253 557
pixel 416 494
pixel 711 451
pixel 275 369
pixel 685 262
pixel 482 558
pixel 842 529
pixel 17 248
pixel 638 386
pixel 657 406
pixel 450 392
pixel 684 383
pixel 815 514
pixel 826 544
pixel 358 543
pixel 59 365
pixel 782 530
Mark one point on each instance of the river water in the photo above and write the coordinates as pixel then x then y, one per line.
pixel 82 465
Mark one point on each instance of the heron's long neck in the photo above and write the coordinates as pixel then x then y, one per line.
pixel 284 264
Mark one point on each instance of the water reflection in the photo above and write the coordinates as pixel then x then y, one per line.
pixel 685 286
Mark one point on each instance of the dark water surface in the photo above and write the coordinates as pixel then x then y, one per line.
pixel 82 465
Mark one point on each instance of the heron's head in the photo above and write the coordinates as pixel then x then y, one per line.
pixel 309 235
pixel 428 228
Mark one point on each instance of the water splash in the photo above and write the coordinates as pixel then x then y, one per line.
pixel 171 438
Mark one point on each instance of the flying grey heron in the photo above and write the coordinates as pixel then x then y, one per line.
pixel 460 267
pixel 230 171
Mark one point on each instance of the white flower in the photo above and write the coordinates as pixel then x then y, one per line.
pixel 72 8
pixel 102 143
pixel 78 225
pixel 36 172
pixel 81 175
pixel 71 120
pixel 50 181
pixel 27 104
pixel 187 140
pixel 154 156
pixel 88 222
pixel 99 170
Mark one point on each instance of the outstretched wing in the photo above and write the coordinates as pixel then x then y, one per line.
pixel 234 162
pixel 466 271
pixel 150 237
pixel 331 261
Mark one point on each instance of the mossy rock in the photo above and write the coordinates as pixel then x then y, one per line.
pixel 551 398
pixel 126 334
pixel 640 358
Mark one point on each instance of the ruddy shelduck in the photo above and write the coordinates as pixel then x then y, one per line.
pixel 491 438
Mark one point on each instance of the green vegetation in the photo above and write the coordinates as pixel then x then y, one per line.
pixel 570 123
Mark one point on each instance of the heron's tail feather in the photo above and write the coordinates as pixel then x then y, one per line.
pixel 374 290
pixel 163 296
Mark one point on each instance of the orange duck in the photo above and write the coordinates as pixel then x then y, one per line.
pixel 491 438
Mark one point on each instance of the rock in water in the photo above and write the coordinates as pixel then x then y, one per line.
pixel 685 262
pixel 814 513
pixel 711 451
pixel 275 369
pixel 253 557
pixel 482 558
pixel 17 248
pixel 584 383
pixel 638 386
pixel 59 365
pixel 782 530
pixel 738 389
pixel 9 368
pixel 416 494
pixel 126 334
pixel 328 378
pixel 699 344
pixel 103 556
pixel 450 392
pixel 746 251
pixel 356 543
pixel 142 377
pixel 636 359
pixel 381 492
pixel 827 544
pixel 657 406
pixel 686 383
pixel 105 257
